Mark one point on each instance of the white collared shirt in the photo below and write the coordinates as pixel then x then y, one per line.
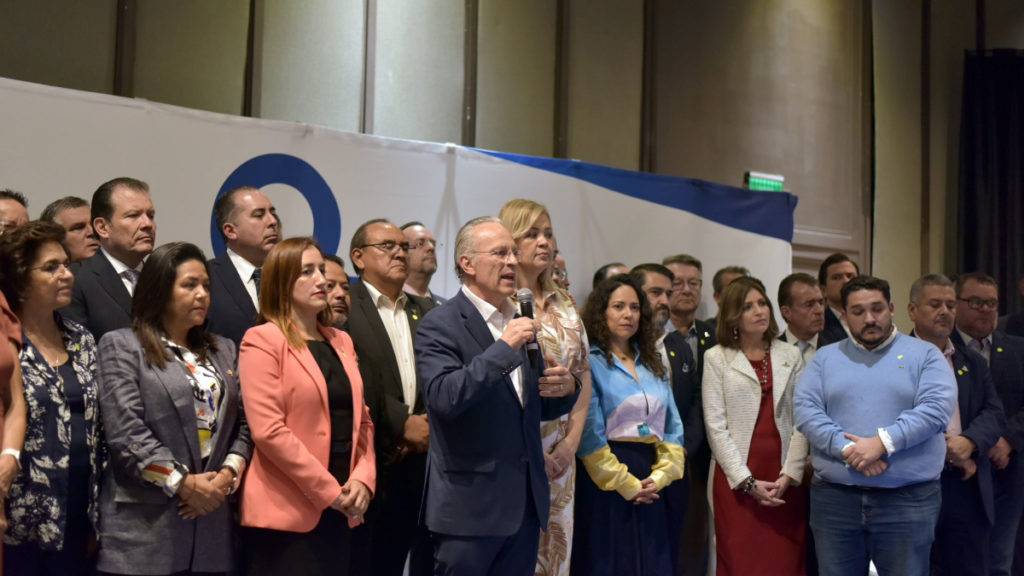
pixel 245 270
pixel 496 321
pixel 396 324
pixel 120 268
pixel 808 352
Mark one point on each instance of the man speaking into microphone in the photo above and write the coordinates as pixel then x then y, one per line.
pixel 486 495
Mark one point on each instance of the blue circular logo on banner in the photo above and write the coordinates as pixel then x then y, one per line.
pixel 297 173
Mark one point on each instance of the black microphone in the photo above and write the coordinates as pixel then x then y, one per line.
pixel 525 298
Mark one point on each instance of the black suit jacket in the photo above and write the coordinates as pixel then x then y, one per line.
pixel 833 332
pixel 379 368
pixel 700 457
pixel 686 390
pixel 1006 362
pixel 231 309
pixel 99 299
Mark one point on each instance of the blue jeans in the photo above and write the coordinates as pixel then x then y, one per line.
pixel 892 527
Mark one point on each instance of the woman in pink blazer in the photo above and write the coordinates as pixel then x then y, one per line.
pixel 312 473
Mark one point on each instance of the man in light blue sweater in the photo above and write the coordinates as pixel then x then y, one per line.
pixel 874 408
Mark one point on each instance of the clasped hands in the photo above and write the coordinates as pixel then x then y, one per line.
pixel 770 493
pixel 958 453
pixel 865 454
pixel 203 493
pixel 353 501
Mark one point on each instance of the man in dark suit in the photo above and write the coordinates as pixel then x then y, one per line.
pixel 248 222
pixel 961 545
pixel 834 272
pixel 699 336
pixel 382 322
pixel 422 265
pixel 487 494
pixel 803 308
pixel 339 291
pixel 656 282
pixel 124 220
pixel 977 306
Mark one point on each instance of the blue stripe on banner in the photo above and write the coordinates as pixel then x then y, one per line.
pixel 765 213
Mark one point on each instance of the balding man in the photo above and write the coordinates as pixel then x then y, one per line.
pixel 248 223
pixel 487 494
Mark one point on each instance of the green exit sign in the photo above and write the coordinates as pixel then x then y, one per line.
pixel 764 182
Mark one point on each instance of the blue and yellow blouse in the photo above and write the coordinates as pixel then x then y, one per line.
pixel 625 409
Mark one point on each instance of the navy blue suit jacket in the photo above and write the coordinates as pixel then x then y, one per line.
pixel 1006 362
pixel 99 299
pixel 981 415
pixel 833 331
pixel 686 390
pixel 231 309
pixel 485 446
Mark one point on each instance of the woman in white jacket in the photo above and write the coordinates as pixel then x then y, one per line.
pixel 757 455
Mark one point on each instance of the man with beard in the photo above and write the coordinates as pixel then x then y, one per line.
pixel 249 225
pixel 874 409
pixel 125 223
pixel 803 307
pixel 967 514
pixel 422 265
pixel 72 213
pixel 382 322
pixel 656 282
pixel 338 296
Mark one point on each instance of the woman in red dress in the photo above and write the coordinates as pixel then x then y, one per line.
pixel 757 455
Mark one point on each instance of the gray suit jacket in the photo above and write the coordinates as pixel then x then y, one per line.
pixel 148 415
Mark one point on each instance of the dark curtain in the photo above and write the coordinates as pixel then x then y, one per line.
pixel 990 215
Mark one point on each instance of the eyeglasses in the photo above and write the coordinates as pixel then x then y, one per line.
pixel 53 267
pixel 389 246
pixel 975 303
pixel 502 253
pixel 693 283
pixel 423 243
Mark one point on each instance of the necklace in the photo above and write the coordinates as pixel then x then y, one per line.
pixel 762 368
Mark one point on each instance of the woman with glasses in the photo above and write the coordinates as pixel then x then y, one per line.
pixel 632 444
pixel 563 339
pixel 51 503
pixel 757 454
pixel 172 416
pixel 313 470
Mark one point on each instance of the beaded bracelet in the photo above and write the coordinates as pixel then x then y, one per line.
pixel 748 484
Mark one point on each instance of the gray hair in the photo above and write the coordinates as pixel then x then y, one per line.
pixel 928 280
pixel 464 242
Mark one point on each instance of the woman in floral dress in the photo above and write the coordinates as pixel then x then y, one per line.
pixel 563 340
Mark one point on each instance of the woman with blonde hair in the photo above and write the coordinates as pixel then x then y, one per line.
pixel 313 469
pixel 563 339
pixel 757 454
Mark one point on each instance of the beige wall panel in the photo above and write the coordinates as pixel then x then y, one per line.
pixel 774 86
pixel 192 53
pixel 59 42
pixel 1004 24
pixel 605 77
pixel 897 56
pixel 311 62
pixel 419 70
pixel 952 32
pixel 516 76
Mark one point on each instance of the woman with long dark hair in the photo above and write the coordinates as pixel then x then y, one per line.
pixel 172 416
pixel 313 469
pixel 757 454
pixel 632 444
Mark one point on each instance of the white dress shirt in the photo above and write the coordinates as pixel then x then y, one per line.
pixel 496 321
pixel 396 324
pixel 120 268
pixel 245 270
pixel 806 347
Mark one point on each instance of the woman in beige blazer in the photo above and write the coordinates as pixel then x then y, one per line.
pixel 757 454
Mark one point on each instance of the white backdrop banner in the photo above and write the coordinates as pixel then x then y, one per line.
pixel 57 142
